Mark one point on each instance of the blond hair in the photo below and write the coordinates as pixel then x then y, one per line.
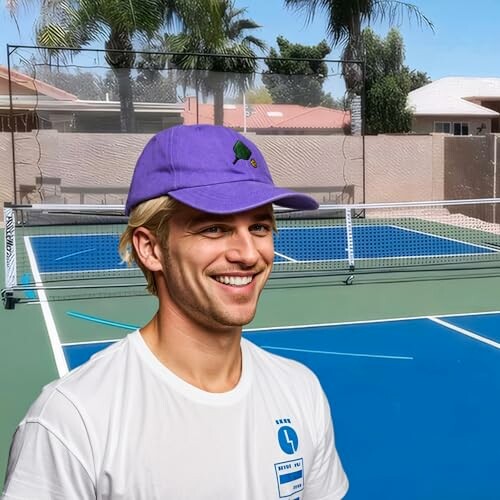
pixel 153 215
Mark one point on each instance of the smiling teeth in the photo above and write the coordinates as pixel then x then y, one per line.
pixel 234 280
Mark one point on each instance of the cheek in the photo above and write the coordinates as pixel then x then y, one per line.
pixel 192 258
pixel 267 251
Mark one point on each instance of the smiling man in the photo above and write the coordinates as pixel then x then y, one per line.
pixel 185 408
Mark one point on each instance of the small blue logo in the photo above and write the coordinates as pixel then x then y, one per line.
pixel 288 439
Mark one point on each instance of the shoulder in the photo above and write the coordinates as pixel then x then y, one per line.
pixel 61 400
pixel 285 370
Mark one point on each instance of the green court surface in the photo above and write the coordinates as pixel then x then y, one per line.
pixel 27 361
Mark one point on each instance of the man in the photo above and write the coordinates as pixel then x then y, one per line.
pixel 185 408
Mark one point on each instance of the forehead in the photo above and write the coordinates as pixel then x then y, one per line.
pixel 190 216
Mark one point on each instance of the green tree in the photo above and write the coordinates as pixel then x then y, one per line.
pixel 329 101
pixel 388 82
pixel 258 95
pixel 235 65
pixel 344 22
pixel 418 79
pixel 83 84
pixel 292 81
pixel 119 23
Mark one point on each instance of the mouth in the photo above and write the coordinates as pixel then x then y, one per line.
pixel 236 281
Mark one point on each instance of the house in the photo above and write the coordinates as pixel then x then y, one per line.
pixel 27 93
pixel 457 105
pixel 267 119
pixel 39 105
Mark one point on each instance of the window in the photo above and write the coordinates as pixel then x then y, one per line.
pixel 442 127
pixel 459 128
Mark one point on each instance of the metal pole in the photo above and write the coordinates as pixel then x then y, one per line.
pixel 495 146
pixel 363 126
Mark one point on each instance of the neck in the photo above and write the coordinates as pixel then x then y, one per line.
pixel 204 357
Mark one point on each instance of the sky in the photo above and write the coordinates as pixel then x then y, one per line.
pixel 465 41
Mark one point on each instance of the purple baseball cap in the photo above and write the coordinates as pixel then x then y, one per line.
pixel 211 168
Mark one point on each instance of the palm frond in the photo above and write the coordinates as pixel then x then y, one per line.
pixel 394 11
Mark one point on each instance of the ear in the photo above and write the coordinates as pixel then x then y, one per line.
pixel 148 249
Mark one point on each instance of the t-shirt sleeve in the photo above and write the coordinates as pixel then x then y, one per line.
pixel 41 466
pixel 51 455
pixel 327 479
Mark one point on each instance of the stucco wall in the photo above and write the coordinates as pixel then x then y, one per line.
pixel 402 168
pixel 398 168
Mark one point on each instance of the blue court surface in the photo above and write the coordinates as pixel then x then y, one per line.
pixel 98 252
pixel 416 402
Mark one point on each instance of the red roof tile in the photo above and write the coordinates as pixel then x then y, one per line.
pixel 269 116
pixel 35 85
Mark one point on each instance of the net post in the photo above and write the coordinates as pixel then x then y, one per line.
pixel 10 257
pixel 350 242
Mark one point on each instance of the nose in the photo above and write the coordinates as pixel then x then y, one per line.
pixel 242 248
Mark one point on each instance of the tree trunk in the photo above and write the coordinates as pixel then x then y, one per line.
pixel 353 74
pixel 121 64
pixel 127 115
pixel 219 99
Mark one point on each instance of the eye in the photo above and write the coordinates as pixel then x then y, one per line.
pixel 260 229
pixel 213 231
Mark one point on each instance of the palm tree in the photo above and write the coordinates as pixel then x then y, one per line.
pixel 344 26
pixel 236 63
pixel 119 23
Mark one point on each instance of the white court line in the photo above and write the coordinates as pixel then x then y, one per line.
pixel 90 342
pixel 76 253
pixel 283 256
pixel 353 354
pixel 468 333
pixel 55 342
pixel 476 245
pixel 361 322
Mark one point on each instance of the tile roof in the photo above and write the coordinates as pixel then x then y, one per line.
pixel 34 85
pixel 269 116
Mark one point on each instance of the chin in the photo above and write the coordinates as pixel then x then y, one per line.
pixel 237 320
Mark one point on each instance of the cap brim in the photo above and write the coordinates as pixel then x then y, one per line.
pixel 234 197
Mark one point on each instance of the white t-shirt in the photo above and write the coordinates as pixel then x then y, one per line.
pixel 123 426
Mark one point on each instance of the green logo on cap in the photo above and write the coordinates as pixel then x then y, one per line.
pixel 242 153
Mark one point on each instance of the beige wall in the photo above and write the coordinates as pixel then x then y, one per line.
pixel 403 168
pixel 398 168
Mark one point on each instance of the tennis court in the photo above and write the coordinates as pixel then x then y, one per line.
pixel 68 246
pixel 414 399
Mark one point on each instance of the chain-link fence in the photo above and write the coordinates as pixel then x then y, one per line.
pixel 78 124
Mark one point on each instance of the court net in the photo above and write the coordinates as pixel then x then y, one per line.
pixel 65 251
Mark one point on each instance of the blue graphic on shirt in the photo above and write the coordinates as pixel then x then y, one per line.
pixel 288 439
pixel 290 478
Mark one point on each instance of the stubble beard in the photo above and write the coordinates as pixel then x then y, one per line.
pixel 213 315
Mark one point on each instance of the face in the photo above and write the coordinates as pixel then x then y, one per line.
pixel 217 265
